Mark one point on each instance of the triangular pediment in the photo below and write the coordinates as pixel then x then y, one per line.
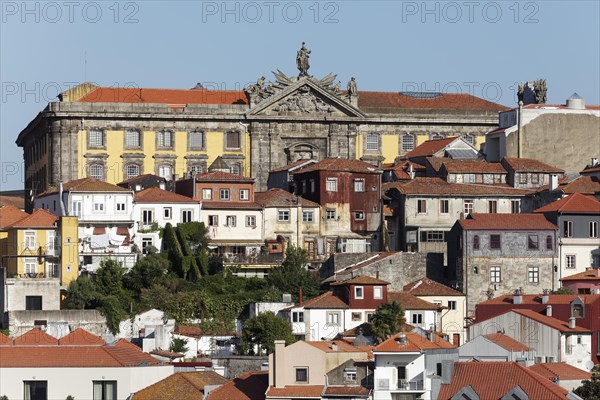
pixel 305 98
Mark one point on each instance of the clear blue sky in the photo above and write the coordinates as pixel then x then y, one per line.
pixel 479 46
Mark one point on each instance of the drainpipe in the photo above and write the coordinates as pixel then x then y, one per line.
pixel 60 198
pixel 519 118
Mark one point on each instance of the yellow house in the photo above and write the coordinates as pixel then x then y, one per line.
pixel 40 245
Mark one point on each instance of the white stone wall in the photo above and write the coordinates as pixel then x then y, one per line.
pixel 386 373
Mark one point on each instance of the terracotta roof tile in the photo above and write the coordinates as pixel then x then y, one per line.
pixel 220 176
pixel 589 170
pixel 574 203
pixel 409 301
pixel 558 106
pixel 362 280
pixel 248 386
pixel 197 331
pixel 477 221
pixel 529 164
pixel 87 185
pixel 141 177
pixel 560 370
pixel 347 391
pixel 506 376
pixel 280 198
pixel 552 322
pixel 323 301
pixel 438 186
pixel 166 354
pixel 35 337
pixel 342 346
pixel 81 337
pixel 242 205
pixel 300 391
pixel 429 287
pixel 39 218
pixel 506 342
pixel 430 147
pixel 163 96
pixel 293 165
pixel 10 214
pixel 583 184
pixel 5 340
pixel 16 200
pixel 157 195
pixel 441 101
pixel 591 274
pixel 400 169
pixel 475 166
pixel 414 343
pixel 537 299
pixel 340 165
pixel 181 386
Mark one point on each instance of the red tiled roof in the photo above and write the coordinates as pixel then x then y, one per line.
pixel 589 170
pixel 5 340
pixel 342 346
pixel 248 386
pixel 574 203
pixel 35 337
pixel 409 301
pixel 81 337
pixel 15 200
pixel 140 177
pixel 323 301
pixel 292 165
pixel 414 343
pixel 588 275
pixel 552 322
pixel 300 391
pixel 560 370
pixel 347 391
pixel 506 342
pixel 10 214
pixel 163 96
pixel 87 185
pixel 242 205
pixel 39 218
pixel 166 354
pixel 220 176
pixel 429 287
pixel 197 331
pixel 280 198
pixel 506 221
pixel 362 280
pixel 537 299
pixel 475 166
pixel 157 195
pixel 529 164
pixel 493 380
pixel 375 257
pixel 438 186
pixel 340 165
pixel 445 101
pixel 430 147
pixel 181 386
pixel 583 184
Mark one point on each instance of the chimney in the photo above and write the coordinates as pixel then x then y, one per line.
pixel 594 162
pixel 553 184
pixel 279 361
pixel 518 298
pixel 300 296
pixel 334 346
pixel 411 172
pixel 572 323
pixel 545 297
pixel 576 102
pixel 447 371
pixel 548 310
pixel 377 274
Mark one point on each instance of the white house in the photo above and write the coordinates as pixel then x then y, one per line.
pixel 153 208
pixel 152 329
pixel 105 215
pixel 496 347
pixel 201 342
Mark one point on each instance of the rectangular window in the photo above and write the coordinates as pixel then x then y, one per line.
pixel 444 206
pixel 147 217
pixel 433 236
pixel 421 206
pixel 244 194
pixel 549 243
pixel 30 240
pixel 303 187
pixel 312 185
pixel 568 229
pixel 408 142
pixel 298 316
pixel 167 212
pixel 372 142
pixel 77 208
pixel 213 220
pixel 186 216
pixel 570 261
pixel 105 390
pixel 359 185
pixel 36 390
pixel 535 178
pixel 308 216
pixel 232 140
pixel 302 374
pixel 476 242
pixel 533 242
pixel 522 178
pixel 331 185
pixel 250 221
pixel 121 207
pixel 350 374
pixel 359 215
pixel 533 275
pixel 283 215
pixel 224 194
pixel 492 206
pixel 33 302
pixel 206 194
pixel 165 139
pixel 467 207
pixel 359 292
pixel 98 207
pixel 593 229
pixel 495 242
pixel 96 138
pixel 333 318
pixel 146 243
pixel 196 140
pixel 451 304
pixel 231 221
pixel 30 266
pixel 330 215
pixel 515 206
pixel 495 276
pixel 356 316
pixel 417 318
pixel 132 138
pixel 377 292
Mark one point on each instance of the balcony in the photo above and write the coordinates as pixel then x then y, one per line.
pixel 410 385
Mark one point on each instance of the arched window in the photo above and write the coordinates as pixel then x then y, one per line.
pixel 131 171
pixel 165 139
pixel 408 142
pixel 437 136
pixel 96 171
pixel 235 169
pixel 165 171
pixel 196 169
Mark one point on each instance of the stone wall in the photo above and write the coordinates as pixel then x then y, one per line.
pixel 64 321
pixel 237 365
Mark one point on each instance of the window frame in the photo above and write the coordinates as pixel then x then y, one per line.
pixel 207 194
pixel 94 174
pixel 185 212
pixel 308 216
pixel 333 318
pixel 404 142
pixel 213 220
pixel 593 229
pixel 476 242
pixel 331 184
pixel 161 142
pixel 127 139
pixel 375 294
pixel 359 185
pixel 231 221
pixel 191 146
pixel 128 171
pixel 251 221
pixel 244 194
pixel 468 206
pixel 356 292
pixel 417 318
pixel 570 261
pixel 495 274
pixel 549 242
pixel 372 142
pixel 92 140
pixel 452 304
pixel 533 241
pixel 224 195
pixel 330 214
pixel 162 168
pixel 283 215
pixel 568 228
pixel 359 215
pixel 227 139
pixel 444 206
pixel 492 206
pixel 298 369
pixel 533 275
pixel 167 212
pixel 493 242
pixel 421 206
pixel 143 218
pixel 104 388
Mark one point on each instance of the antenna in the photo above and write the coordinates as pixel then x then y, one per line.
pixel 85 65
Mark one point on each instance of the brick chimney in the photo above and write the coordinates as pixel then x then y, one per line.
pixel 279 361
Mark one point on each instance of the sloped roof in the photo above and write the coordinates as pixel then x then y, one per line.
pixel 506 376
pixel 87 185
pixel 281 198
pixel 529 164
pixel 430 147
pixel 339 164
pixel 300 391
pixel 35 337
pixel 506 342
pixel 582 184
pixel 39 218
pixel 414 343
pixel 293 165
pixel 438 186
pixel 157 195
pixel 362 280
pixel 10 214
pixel 587 275
pixel 337 346
pixel 197 331
pixel 552 322
pixel 17 200
pixel 248 386
pixel 323 301
pixel 166 354
pixel 163 96
pixel 429 287
pixel 427 100
pixel 181 386
pixel 242 205
pixel 474 166
pixel 142 177
pixel 347 391
pixel 400 169
pixel 409 301
pixel 537 299
pixel 5 340
pixel 478 221
pixel 573 203
pixel 560 370
pixel 81 337
pixel 220 176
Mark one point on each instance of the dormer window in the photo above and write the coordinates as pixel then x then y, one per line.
pixel 578 310
pixel 359 292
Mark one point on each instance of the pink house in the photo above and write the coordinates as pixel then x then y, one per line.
pixel 586 282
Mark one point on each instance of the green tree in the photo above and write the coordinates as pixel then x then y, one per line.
pixel 590 389
pixel 263 330
pixel 81 293
pixel 387 320
pixel 293 275
pixel 178 345
pixel 146 272
pixel 562 290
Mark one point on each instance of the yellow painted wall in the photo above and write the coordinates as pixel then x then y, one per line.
pixel 69 262
pixel 16 265
pixel 389 147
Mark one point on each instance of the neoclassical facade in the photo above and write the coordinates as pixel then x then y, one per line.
pixel 116 133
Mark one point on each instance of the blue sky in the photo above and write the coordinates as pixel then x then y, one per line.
pixel 481 47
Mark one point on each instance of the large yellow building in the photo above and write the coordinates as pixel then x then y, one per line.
pixel 117 133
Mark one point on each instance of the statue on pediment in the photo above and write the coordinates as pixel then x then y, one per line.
pixel 302 60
